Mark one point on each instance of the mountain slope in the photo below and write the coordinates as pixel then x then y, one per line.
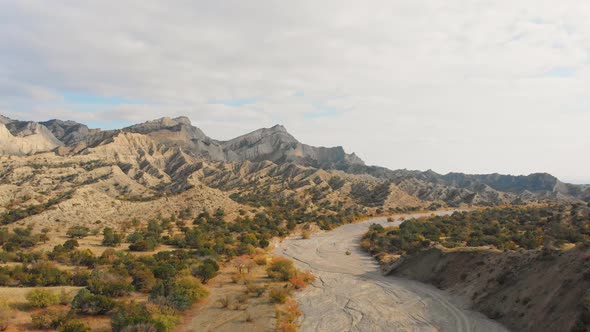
pixel 277 145
pixel 164 153
pixel 181 133
pixel 23 138
pixel 69 132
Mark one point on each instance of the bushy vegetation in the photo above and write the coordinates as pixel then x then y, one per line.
pixel 287 316
pixel 281 269
pixel 49 319
pixel 42 273
pixel 173 279
pixel 78 231
pixel 74 325
pixel 14 215
pixel 370 196
pixel 92 304
pixel 147 239
pixel 18 238
pixel 503 228
pixel 42 298
pixel 109 283
pixel 295 211
pixel 111 238
pixel 179 293
pixel 143 317
pixel 207 270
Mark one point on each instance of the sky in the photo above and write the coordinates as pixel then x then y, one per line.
pixel 467 86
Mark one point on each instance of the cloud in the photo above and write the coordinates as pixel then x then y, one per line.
pixel 476 86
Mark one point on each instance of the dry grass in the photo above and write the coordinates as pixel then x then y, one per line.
pixel 287 316
pixel 13 301
pixel 224 312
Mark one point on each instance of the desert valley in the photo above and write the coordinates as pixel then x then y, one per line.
pixel 158 227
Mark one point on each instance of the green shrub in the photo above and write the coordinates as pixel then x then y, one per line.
pixel 92 304
pixel 147 244
pixel 164 318
pixel 111 238
pixel 143 278
pixel 78 231
pixel 281 269
pixel 74 325
pixel 279 294
pixel 207 270
pixel 42 298
pixel 109 284
pixel 49 319
pixel 128 317
pixel 70 244
pixel 180 293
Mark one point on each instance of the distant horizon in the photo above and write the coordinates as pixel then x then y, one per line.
pixel 571 180
pixel 472 87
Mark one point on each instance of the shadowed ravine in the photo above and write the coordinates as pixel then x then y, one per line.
pixel 351 294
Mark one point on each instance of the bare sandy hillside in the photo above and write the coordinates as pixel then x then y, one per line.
pixel 525 290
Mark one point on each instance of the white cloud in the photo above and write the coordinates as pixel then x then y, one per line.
pixel 476 86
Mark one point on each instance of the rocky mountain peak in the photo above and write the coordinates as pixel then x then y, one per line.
pixel 5 120
pixel 183 120
pixel 179 124
pixel 69 132
pixel 279 128
pixel 273 144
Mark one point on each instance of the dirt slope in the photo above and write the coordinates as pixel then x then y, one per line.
pixel 525 290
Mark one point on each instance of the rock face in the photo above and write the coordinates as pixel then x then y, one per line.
pixel 181 133
pixel 5 120
pixel 169 145
pixel 23 138
pixel 277 145
pixel 274 144
pixel 69 132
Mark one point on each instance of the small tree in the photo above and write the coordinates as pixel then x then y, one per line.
pixel 92 304
pixel 71 244
pixel 180 293
pixel 42 298
pixel 143 278
pixel 78 231
pixel 281 269
pixel 207 270
pixel 132 315
pixel 111 238
pixel 241 263
pixel 109 284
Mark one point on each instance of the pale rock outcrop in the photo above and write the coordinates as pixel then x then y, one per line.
pixel 26 138
pixel 277 145
pixel 181 133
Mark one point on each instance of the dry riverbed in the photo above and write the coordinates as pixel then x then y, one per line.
pixel 351 294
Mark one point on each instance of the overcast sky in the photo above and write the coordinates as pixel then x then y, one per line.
pixel 467 86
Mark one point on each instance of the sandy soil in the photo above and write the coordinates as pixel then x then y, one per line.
pixel 351 294
pixel 211 316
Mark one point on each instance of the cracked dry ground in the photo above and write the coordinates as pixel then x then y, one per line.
pixel 351 294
